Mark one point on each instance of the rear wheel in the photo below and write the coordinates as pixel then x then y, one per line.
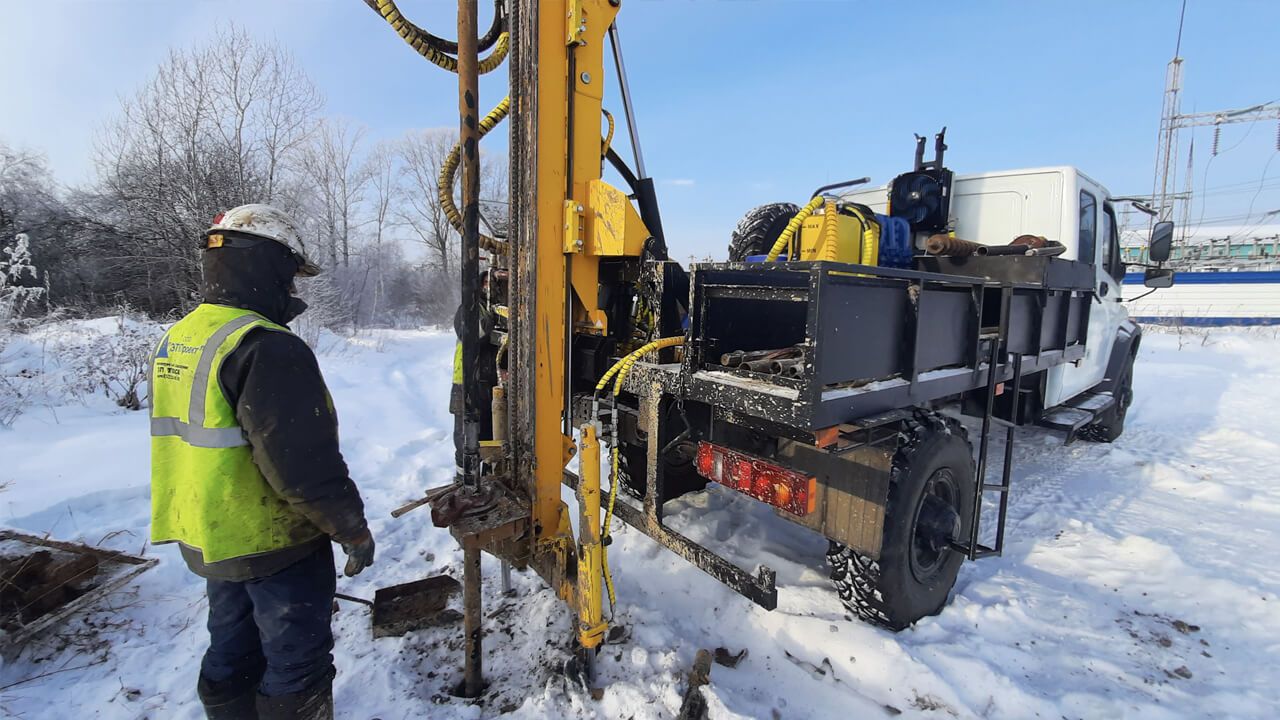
pixel 930 504
pixel 759 229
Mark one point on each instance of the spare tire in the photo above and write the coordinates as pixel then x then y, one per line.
pixel 759 229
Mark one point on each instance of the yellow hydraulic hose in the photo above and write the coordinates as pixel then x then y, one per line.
pixel 449 170
pixel 870 238
pixel 830 238
pixel 411 34
pixel 785 238
pixel 634 356
pixel 608 139
pixel 620 369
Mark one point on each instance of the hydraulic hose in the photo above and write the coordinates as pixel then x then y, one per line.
pixel 624 365
pixel 433 48
pixel 785 238
pixel 830 238
pixel 449 46
pixel 870 238
pixel 620 370
pixel 608 139
pixel 449 171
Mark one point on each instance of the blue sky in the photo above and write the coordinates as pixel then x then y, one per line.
pixel 739 102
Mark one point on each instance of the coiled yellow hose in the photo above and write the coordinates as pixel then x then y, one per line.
pixel 406 30
pixel 785 238
pixel 449 171
pixel 830 238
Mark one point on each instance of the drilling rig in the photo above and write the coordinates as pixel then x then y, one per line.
pixel 810 373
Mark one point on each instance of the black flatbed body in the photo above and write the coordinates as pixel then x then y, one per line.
pixel 874 339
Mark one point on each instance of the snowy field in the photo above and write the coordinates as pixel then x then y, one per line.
pixel 1139 580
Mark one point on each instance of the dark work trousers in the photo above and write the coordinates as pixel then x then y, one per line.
pixel 274 631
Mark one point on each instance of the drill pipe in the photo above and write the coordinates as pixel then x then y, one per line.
pixel 787 368
pixel 946 245
pixel 994 250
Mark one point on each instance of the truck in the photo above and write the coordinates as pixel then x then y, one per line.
pixel 863 442
pixel 823 370
pixel 834 392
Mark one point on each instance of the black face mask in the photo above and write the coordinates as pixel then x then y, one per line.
pixel 258 278
pixel 296 307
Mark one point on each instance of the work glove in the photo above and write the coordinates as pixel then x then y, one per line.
pixel 359 550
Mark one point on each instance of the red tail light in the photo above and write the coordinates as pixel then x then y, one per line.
pixel 781 487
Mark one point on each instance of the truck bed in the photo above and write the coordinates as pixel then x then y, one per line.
pixel 869 339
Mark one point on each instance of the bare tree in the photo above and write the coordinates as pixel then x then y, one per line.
pixel 338 180
pixel 383 170
pixel 215 127
pixel 423 153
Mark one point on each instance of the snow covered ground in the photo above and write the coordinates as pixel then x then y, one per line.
pixel 1139 579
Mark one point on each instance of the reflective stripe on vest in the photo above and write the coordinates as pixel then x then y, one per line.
pixel 206 490
pixel 457 363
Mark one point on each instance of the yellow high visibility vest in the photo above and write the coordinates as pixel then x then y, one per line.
pixel 206 491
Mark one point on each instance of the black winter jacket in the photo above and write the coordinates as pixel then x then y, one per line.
pixel 274 382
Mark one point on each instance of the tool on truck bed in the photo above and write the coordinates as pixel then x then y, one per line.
pixel 808 373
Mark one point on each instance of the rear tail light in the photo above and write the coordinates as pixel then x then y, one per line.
pixel 768 482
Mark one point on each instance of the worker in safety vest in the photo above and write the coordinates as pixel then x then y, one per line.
pixel 247 477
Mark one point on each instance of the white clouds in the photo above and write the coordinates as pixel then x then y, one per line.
pixel 679 182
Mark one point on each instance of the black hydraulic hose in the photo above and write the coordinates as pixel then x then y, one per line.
pixel 621 166
pixel 449 46
pixel 846 183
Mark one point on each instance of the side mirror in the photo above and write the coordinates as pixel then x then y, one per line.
pixel 1161 242
pixel 1157 278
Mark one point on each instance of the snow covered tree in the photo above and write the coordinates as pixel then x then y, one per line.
pixel 16 294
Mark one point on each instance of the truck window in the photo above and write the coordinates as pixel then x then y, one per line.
pixel 1086 250
pixel 1115 256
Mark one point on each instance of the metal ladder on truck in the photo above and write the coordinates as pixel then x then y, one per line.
pixel 997 340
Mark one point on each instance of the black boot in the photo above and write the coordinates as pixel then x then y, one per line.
pixel 314 703
pixel 228 701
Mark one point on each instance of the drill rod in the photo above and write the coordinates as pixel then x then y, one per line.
pixel 468 140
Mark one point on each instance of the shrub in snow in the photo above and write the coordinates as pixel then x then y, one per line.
pixel 20 384
pixel 15 263
pixel 115 363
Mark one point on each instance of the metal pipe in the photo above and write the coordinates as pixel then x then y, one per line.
pixel 632 131
pixel 468 141
pixel 1050 251
pixel 566 419
pixel 789 368
pixel 995 250
pixel 473 669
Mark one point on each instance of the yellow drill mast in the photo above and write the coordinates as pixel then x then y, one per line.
pixel 565 219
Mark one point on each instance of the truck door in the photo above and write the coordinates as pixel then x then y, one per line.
pixel 1099 243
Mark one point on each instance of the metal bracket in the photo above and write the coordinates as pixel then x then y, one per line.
pixel 573 227
pixel 575 23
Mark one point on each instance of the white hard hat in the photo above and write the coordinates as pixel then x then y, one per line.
pixel 267 222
